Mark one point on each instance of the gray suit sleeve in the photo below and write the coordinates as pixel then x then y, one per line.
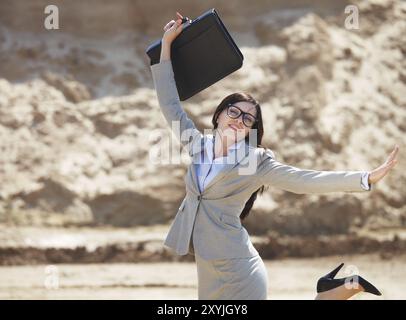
pixel 183 128
pixel 301 181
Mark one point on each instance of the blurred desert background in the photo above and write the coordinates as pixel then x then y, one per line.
pixel 83 210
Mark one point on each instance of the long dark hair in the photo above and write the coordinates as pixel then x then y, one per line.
pixel 234 98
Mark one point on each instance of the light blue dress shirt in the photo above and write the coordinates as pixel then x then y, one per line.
pixel 210 167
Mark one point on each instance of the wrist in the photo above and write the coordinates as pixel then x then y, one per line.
pixel 166 43
pixel 165 51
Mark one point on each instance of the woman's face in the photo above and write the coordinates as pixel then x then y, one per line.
pixel 235 129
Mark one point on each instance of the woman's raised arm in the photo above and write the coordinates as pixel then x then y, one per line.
pixel 168 97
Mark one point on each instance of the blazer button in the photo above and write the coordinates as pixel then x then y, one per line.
pixel 199 198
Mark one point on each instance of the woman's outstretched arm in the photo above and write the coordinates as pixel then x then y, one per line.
pixel 168 97
pixel 301 181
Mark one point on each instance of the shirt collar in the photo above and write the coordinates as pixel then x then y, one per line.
pixel 231 149
pixel 234 146
pixel 237 145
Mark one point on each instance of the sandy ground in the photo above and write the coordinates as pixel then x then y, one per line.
pixel 288 279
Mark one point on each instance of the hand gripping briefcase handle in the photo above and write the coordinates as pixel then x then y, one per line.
pixel 202 54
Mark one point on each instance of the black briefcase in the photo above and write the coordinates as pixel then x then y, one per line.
pixel 202 54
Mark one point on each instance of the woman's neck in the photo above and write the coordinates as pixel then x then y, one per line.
pixel 221 145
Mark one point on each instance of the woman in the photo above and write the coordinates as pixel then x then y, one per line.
pixel 228 170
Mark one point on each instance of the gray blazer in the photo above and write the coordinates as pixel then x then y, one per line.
pixel 212 216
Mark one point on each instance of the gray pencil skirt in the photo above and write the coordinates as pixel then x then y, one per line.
pixel 232 279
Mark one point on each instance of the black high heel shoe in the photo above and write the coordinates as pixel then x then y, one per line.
pixel 328 282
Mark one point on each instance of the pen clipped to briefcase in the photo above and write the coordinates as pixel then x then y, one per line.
pixel 202 54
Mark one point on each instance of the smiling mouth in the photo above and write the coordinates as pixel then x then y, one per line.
pixel 233 127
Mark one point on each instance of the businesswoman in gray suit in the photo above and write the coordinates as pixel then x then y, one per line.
pixel 228 169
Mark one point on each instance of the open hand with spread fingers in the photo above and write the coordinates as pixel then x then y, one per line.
pixel 378 173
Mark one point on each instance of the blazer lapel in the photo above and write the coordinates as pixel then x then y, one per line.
pixel 198 158
pixel 240 154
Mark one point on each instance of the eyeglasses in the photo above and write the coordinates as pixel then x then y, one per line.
pixel 234 112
